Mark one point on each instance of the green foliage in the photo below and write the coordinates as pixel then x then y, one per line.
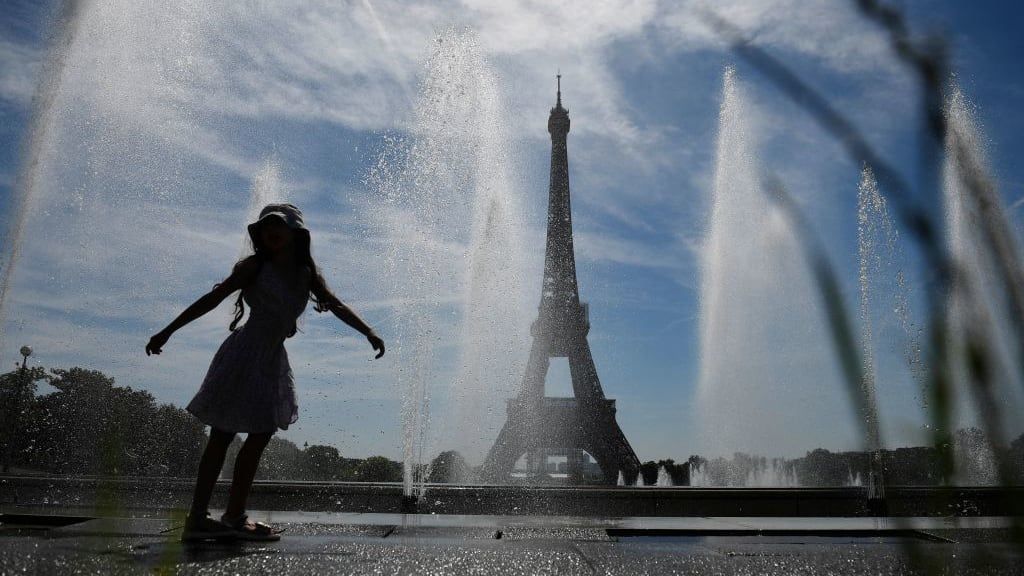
pixel 17 413
pixel 379 469
pixel 324 463
pixel 90 426
pixel 649 472
pixel 281 460
pixel 680 473
pixel 449 468
pixel 976 461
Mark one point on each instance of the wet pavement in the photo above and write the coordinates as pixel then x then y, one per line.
pixel 353 543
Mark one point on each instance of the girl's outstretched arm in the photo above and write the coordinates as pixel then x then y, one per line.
pixel 348 316
pixel 327 301
pixel 240 276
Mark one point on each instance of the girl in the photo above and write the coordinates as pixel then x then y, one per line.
pixel 249 387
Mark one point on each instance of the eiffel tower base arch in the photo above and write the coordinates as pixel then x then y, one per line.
pixel 562 426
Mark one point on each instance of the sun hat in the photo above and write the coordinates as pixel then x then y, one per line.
pixel 291 216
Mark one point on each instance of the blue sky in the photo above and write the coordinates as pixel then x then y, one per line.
pixel 164 115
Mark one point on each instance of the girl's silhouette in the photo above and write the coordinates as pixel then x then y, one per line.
pixel 249 386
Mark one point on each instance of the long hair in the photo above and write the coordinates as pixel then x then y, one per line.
pixel 322 297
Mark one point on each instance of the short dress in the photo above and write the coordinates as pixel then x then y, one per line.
pixel 249 386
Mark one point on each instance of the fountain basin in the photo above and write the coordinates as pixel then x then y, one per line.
pixel 40 493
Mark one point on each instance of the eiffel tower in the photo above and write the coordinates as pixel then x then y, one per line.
pixel 539 426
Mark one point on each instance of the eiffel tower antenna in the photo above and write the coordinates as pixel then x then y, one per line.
pixel 558 103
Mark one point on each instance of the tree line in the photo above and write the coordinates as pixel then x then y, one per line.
pixel 88 425
pixel 975 462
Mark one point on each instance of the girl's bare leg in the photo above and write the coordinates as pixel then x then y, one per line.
pixel 245 470
pixel 209 469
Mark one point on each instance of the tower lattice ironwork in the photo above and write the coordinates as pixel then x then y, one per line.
pixel 538 425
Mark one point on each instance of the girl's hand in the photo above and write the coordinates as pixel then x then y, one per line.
pixel 156 342
pixel 377 344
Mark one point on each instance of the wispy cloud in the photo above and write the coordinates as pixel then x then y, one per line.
pixel 829 32
pixel 19 70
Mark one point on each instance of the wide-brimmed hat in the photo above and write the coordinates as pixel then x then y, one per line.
pixel 288 213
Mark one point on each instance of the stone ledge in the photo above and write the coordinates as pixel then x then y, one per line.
pixel 166 493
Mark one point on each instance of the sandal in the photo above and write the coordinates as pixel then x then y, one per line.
pixel 254 531
pixel 199 528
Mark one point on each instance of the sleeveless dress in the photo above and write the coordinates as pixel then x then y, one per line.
pixel 249 386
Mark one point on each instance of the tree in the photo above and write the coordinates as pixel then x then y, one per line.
pixel 975 457
pixel 449 468
pixel 680 473
pixel 90 426
pixel 649 472
pixel 17 396
pixel 183 436
pixel 378 469
pixel 1015 459
pixel 323 463
pixel 282 460
pixel 822 468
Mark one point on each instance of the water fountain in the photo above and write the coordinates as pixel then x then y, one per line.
pixel 771 475
pixel 451 219
pixel 38 148
pixel 978 306
pixel 445 203
pixel 883 286
pixel 99 181
pixel 869 203
pixel 267 187
pixel 664 479
pixel 91 170
pixel 877 247
pixel 755 289
pixel 448 211
pixel 743 473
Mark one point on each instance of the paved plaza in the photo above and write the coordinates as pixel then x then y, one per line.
pixel 353 543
